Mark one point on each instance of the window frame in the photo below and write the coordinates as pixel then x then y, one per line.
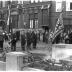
pixel 58 9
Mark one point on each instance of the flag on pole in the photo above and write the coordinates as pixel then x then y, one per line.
pixel 59 26
pixel 8 15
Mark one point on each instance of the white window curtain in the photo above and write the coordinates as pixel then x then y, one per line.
pixel 31 23
pixel 58 6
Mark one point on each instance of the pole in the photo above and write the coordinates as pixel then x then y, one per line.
pixel 42 13
pixel 8 25
pixel 11 26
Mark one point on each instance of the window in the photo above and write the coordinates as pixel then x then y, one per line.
pixel 36 23
pixel 36 15
pixel 58 6
pixel 20 2
pixel 31 23
pixel 71 6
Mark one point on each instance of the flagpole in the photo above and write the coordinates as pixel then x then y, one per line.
pixel 59 26
pixel 8 21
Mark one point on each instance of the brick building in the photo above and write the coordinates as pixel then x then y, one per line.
pixel 38 15
pixel 48 16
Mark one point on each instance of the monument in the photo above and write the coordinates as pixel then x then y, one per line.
pixel 14 61
pixel 61 51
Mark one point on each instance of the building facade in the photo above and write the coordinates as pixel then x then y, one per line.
pixel 37 15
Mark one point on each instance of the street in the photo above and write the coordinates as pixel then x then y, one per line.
pixel 40 45
pixel 42 48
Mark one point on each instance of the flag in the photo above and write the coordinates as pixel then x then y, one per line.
pixel 59 26
pixel 8 15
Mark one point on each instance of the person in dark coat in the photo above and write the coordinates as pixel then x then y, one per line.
pixel 44 37
pixel 13 42
pixel 56 40
pixel 34 39
pixel 18 35
pixel 39 36
pixel 70 38
pixel 23 41
pixel 1 42
pixel 28 37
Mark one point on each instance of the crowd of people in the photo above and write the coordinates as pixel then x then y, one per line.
pixel 8 40
pixel 30 38
pixel 63 37
pixel 27 38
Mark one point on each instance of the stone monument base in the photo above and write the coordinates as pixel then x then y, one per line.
pixel 61 51
pixel 14 61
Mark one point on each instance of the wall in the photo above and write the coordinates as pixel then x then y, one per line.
pixel 46 17
pixel 33 11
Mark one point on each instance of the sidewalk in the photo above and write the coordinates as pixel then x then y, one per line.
pixel 40 45
pixel 42 48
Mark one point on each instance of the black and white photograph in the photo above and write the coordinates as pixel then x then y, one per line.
pixel 35 35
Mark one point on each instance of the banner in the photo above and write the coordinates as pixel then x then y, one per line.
pixel 59 26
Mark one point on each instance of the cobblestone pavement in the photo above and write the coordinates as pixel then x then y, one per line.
pixel 41 48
